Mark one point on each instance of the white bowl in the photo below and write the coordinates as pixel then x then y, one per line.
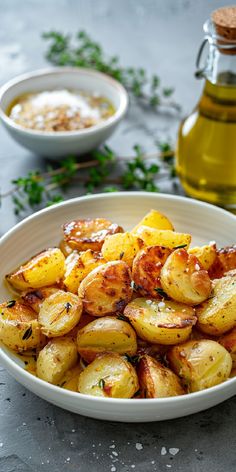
pixel 42 229
pixel 59 144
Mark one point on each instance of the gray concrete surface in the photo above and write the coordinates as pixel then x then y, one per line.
pixel 163 36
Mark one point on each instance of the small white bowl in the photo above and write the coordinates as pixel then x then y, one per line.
pixel 61 143
pixel 43 229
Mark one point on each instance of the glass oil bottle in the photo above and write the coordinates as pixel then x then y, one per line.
pixel 206 148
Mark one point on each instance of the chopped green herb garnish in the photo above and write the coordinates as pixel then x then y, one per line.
pixel 101 383
pixel 27 334
pixel 68 306
pixel 11 303
pixel 180 246
pixel 122 317
pixel 132 359
pixel 161 292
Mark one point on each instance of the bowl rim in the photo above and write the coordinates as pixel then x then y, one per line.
pixel 132 402
pixel 50 71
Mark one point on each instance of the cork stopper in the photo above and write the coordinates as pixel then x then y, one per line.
pixel 224 20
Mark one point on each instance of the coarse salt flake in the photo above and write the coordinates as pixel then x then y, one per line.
pixel 115 453
pixel 163 451
pixel 113 468
pixel 173 451
pixel 161 304
pixel 139 446
pixel 197 267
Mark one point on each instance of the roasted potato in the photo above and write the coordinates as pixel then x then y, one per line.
pixel 121 246
pixel 78 266
pixel 156 380
pixel 59 313
pixel 161 237
pixel 146 270
pixel 109 375
pixel 218 314
pixel 89 233
pixel 106 334
pixel 164 322
pixel 224 262
pixel 46 268
pixel 205 254
pixel 154 219
pixel 56 358
pixel 19 327
pixel 201 364
pixel 229 343
pixel 183 279
pixel 106 289
pixel 35 298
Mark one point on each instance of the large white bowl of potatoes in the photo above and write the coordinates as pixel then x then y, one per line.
pixel 122 306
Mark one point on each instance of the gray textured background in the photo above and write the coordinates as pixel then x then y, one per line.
pixel 163 36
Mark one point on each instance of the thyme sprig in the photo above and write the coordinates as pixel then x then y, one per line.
pixel 83 51
pixel 38 189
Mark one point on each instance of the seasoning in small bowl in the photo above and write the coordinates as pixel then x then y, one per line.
pixel 60 110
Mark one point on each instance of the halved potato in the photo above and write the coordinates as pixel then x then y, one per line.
pixel 154 219
pixel 161 237
pixel 59 313
pixel 78 266
pixel 121 246
pixel 106 289
pixel 156 380
pixel 35 298
pixel 229 343
pixel 56 358
pixel 224 262
pixel 19 327
pixel 109 375
pixel 89 233
pixel 201 364
pixel 164 322
pixel 46 268
pixel 183 279
pixel 218 314
pixel 205 254
pixel 146 269
pixel 106 334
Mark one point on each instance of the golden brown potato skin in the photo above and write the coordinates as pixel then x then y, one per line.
pixel 35 298
pixel 109 375
pixel 106 334
pixel 56 358
pixel 19 327
pixel 165 322
pixel 46 268
pixel 217 315
pixel 121 246
pixel 146 270
pixel 89 233
pixel 183 279
pixel 106 289
pixel 78 266
pixel 224 262
pixel 156 380
pixel 229 343
pixel 201 364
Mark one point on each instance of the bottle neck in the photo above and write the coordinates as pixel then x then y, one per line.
pixel 220 67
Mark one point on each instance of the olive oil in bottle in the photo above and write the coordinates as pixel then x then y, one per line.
pixel 206 149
